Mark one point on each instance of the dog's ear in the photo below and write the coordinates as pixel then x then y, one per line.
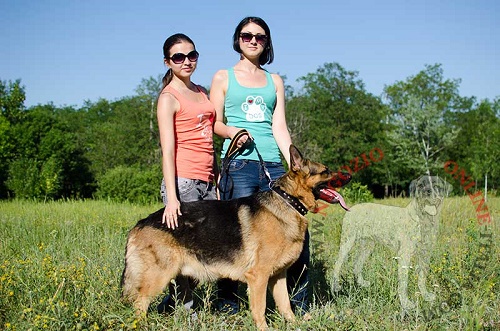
pixel 444 186
pixel 296 159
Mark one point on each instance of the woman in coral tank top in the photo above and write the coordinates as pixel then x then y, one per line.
pixel 185 122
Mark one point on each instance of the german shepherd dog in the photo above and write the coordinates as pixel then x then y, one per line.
pixel 253 240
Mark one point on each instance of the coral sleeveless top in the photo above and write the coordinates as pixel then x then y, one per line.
pixel 193 125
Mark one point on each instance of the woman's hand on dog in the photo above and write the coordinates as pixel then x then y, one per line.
pixel 172 210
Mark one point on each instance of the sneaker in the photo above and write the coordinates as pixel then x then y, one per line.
pixel 166 306
pixel 193 316
pixel 302 311
pixel 227 307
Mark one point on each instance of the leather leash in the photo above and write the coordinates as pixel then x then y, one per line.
pixel 233 150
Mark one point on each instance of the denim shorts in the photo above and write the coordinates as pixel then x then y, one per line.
pixel 247 177
pixel 190 190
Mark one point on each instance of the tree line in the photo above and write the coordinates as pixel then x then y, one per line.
pixel 110 149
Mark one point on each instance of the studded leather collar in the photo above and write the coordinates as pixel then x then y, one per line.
pixel 291 200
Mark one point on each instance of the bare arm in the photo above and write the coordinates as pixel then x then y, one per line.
pixel 280 129
pixel 167 107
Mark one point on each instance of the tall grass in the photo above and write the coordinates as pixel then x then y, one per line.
pixel 61 263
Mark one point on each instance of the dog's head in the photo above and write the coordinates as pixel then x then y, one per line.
pixel 309 181
pixel 429 192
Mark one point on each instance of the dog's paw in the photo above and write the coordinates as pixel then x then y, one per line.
pixel 407 305
pixel 363 283
pixel 335 287
pixel 429 296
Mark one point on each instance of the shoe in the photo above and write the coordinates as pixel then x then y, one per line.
pixel 227 307
pixel 301 309
pixel 193 317
pixel 166 306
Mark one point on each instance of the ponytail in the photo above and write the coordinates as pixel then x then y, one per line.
pixel 166 79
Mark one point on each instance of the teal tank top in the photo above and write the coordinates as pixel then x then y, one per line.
pixel 252 108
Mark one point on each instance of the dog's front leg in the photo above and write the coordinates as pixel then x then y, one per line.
pixel 257 284
pixel 423 267
pixel 366 247
pixel 405 253
pixel 346 244
pixel 277 285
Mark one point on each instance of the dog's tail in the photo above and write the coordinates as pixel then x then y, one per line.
pixel 126 283
pixel 149 267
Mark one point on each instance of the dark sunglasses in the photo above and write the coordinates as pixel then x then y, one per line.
pixel 179 58
pixel 247 37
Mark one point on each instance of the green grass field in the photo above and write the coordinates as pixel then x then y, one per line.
pixel 61 263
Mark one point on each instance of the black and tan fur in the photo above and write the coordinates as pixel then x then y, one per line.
pixel 253 240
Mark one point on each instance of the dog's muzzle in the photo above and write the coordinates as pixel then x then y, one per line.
pixel 329 193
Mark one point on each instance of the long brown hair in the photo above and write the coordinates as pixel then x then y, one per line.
pixel 267 55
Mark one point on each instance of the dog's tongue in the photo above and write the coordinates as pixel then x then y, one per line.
pixel 332 196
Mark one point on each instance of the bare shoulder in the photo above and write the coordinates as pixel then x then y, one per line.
pixel 278 81
pixel 219 82
pixel 220 76
pixel 167 101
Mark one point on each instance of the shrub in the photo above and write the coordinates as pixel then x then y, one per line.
pixel 32 179
pixel 132 184
pixel 23 178
pixel 356 193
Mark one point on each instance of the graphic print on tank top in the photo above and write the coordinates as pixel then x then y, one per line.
pixel 205 123
pixel 254 107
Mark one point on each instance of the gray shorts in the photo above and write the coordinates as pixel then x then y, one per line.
pixel 190 190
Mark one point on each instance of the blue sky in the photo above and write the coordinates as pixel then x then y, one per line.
pixel 67 51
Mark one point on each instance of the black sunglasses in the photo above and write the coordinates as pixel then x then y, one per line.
pixel 247 37
pixel 179 58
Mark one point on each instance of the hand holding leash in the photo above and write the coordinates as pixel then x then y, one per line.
pixel 243 140
pixel 240 139
pixel 239 142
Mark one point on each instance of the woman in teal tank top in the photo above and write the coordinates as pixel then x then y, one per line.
pixel 251 98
